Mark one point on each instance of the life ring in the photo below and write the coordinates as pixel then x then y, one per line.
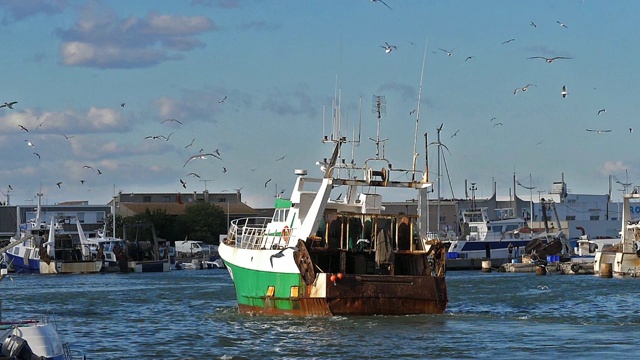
pixel 286 232
pixel 516 235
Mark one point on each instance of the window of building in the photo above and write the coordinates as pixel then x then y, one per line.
pixel 166 198
pixel 222 199
pixel 80 217
pixel 570 218
pixel 594 217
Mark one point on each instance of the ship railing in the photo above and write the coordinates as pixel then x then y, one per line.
pixel 248 233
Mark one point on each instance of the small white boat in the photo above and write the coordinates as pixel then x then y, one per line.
pixel 32 339
pixel 490 238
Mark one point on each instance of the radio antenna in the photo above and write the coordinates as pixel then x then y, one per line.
pixel 415 137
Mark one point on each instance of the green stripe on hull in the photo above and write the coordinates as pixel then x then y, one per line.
pixel 252 286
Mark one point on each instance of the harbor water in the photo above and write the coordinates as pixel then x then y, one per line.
pixel 192 314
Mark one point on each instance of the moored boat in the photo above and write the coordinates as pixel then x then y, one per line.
pixel 45 249
pixel 322 255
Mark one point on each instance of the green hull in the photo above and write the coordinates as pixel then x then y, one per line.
pixel 252 288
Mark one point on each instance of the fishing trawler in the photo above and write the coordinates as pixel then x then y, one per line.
pixel 42 248
pixel 323 255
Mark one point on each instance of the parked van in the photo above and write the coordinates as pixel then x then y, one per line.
pixel 192 247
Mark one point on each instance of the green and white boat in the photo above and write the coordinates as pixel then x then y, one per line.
pixel 322 255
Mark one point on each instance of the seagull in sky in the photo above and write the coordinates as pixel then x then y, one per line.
pixel 388 48
pixel 382 2
pixel 29 143
pixel 533 24
pixel 23 128
pixel 171 120
pixel 549 60
pixel 184 184
pixel 601 111
pixel 599 131
pixel 82 181
pixel 122 105
pixel 523 89
pixel 199 156
pixel 59 183
pixel 191 143
pixel 9 104
pixel 281 158
pixel 497 124
pixel 455 133
pixel 68 136
pixel 630 130
pixel 493 118
pixel 99 172
pixel 266 182
pixel 38 155
pixel 449 52
pixel 564 91
pixel 193 174
pixel 507 41
pixel 222 100
pixel 88 167
pixel 561 24
pixel 539 142
pixel 10 188
pixel 224 170
pixel 469 58
pixel 217 152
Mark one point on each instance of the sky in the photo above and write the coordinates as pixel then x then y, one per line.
pixel 96 81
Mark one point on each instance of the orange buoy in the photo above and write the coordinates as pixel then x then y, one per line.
pixel 340 276
pixel 333 278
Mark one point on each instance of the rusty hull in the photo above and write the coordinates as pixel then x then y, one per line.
pixel 387 295
pixel 365 295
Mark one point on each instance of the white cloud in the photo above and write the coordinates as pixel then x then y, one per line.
pixel 100 39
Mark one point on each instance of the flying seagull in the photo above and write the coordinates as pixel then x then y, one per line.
pixel 496 124
pixel 382 2
pixel 193 174
pixel 280 254
pixel 630 130
pixel 10 188
pixel 222 100
pixel 191 143
pixel 599 131
pixel 199 156
pixel 36 154
pixel 29 143
pixel 455 133
pixel 564 91
pixel 23 128
pixel 533 24
pixel 266 182
pixel 9 104
pixel 184 184
pixel 388 48
pixel 507 41
pixel 549 60
pixel 469 58
pixel 449 52
pixel 523 89
pixel 88 167
pixel 122 105
pixel 68 136
pixel 601 111
pixel 281 158
pixel 59 183
pixel 561 24
pixel 171 120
